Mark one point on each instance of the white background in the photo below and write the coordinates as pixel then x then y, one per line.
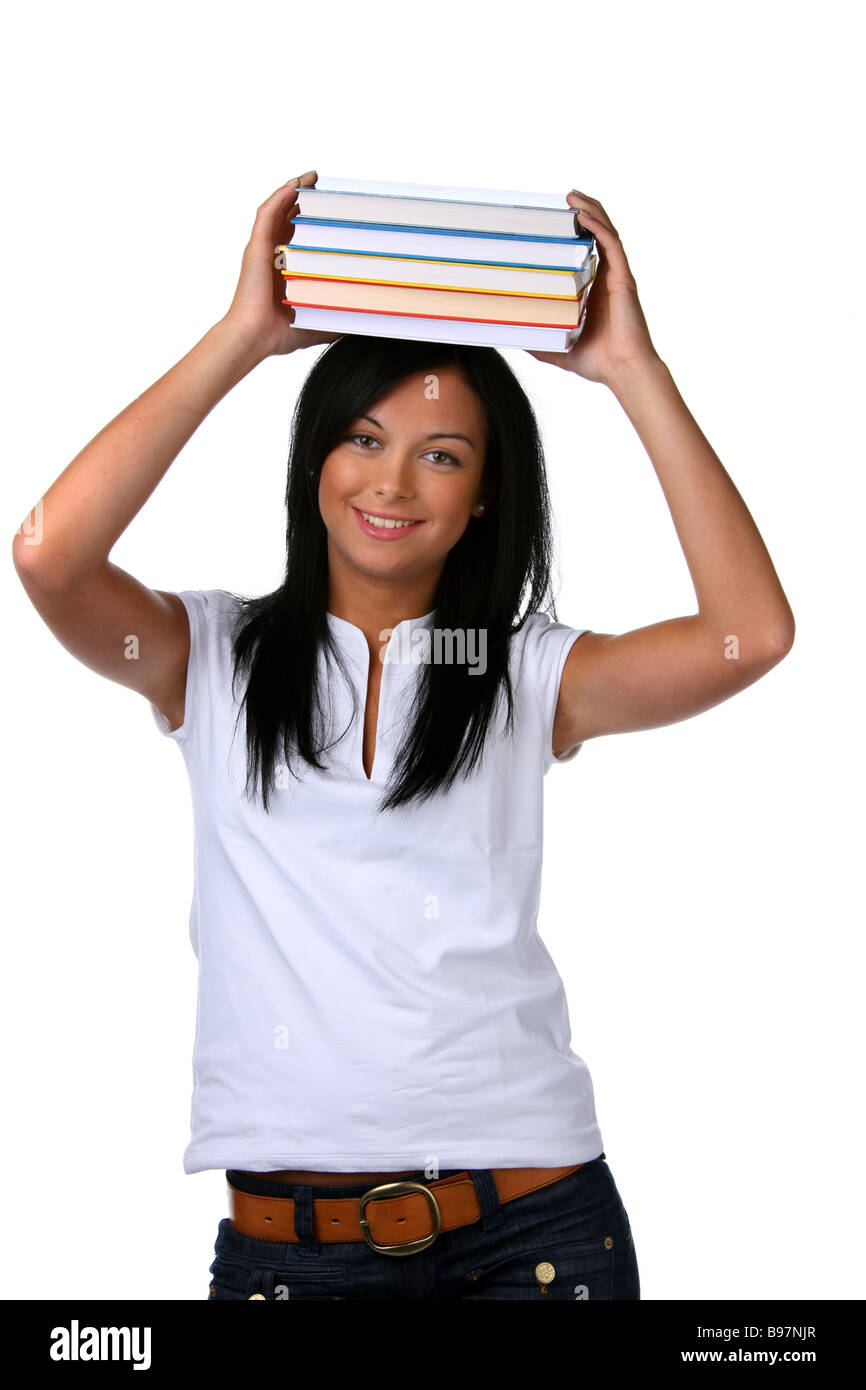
pixel 701 893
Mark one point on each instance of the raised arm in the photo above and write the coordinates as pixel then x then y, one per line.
pixel 744 625
pixel 92 606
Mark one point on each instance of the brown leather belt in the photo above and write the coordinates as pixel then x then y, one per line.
pixel 406 1216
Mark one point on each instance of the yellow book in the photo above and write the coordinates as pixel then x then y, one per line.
pixel 428 273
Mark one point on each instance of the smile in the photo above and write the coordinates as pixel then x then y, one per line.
pixel 384 527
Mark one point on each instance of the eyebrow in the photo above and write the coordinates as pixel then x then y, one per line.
pixel 374 421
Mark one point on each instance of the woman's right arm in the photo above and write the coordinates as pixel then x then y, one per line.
pixel 91 605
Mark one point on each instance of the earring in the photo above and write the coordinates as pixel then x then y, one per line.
pixel 481 508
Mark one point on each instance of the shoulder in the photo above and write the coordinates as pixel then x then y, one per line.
pixel 210 610
pixel 206 659
pixel 217 603
pixel 540 647
pixel 539 653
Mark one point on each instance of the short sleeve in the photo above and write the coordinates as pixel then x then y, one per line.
pixel 203 607
pixel 545 651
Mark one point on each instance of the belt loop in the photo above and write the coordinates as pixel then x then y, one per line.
pixel 488 1198
pixel 305 1228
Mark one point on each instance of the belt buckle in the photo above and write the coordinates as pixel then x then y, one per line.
pixel 394 1189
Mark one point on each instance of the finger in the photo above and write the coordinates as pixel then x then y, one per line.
pixel 596 224
pixel 608 239
pixel 287 193
pixel 299 181
pixel 587 198
pixel 280 207
pixel 580 201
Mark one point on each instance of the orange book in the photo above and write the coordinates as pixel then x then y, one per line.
pixel 477 305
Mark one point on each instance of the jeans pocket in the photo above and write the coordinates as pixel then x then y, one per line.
pixel 578 1271
pixel 295 1280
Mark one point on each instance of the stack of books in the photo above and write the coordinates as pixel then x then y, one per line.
pixel 458 265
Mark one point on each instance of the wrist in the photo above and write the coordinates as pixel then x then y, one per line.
pixel 246 345
pixel 627 377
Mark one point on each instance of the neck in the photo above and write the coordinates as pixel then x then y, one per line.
pixel 373 603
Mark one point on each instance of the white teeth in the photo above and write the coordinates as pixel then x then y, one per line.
pixel 384 523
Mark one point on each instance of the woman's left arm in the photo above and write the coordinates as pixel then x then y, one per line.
pixel 744 626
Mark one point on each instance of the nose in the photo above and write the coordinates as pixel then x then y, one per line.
pixel 393 476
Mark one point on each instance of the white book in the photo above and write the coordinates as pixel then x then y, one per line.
pixel 400 241
pixel 358 202
pixel 421 272
pixel 453 193
pixel 438 330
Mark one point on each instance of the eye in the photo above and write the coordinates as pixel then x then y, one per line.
pixel 444 457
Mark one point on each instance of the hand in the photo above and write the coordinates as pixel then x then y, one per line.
pixel 615 333
pixel 257 309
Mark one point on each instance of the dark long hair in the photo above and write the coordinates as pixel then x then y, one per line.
pixel 501 556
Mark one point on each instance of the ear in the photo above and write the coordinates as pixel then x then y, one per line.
pixel 486 497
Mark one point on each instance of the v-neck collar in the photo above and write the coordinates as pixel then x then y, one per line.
pixel 353 640
pixel 403 653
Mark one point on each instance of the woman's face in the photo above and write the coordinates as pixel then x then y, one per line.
pixel 417 456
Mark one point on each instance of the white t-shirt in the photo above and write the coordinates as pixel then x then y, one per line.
pixel 373 992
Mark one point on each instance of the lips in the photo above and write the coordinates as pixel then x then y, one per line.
pixel 385 526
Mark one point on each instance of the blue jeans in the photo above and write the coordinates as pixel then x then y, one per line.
pixel 576 1225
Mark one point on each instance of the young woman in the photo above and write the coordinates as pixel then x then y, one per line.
pixel 382 1059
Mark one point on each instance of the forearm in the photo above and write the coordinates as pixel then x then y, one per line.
pixel 736 585
pixel 96 497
